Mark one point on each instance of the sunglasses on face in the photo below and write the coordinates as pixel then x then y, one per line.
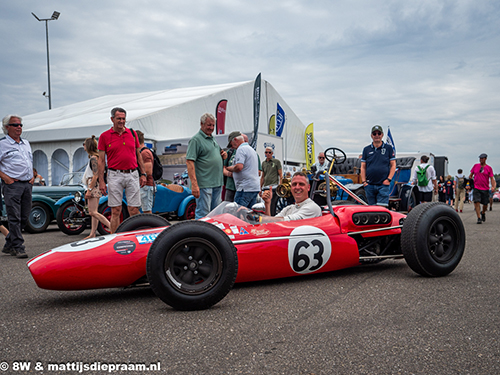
pixel 321 157
pixel 268 152
pixel 376 133
pixel 16 125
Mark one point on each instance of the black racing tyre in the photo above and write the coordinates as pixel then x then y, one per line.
pixel 408 198
pixel 142 221
pixel 433 239
pixel 192 265
pixel 105 210
pixel 71 218
pixel 190 211
pixel 39 218
pixel 360 192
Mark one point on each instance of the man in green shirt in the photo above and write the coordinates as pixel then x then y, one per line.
pixel 204 160
pixel 272 173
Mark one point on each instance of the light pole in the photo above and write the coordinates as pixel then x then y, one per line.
pixel 55 16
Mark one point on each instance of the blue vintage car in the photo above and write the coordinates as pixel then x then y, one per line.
pixel 171 201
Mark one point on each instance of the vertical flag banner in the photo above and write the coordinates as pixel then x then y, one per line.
pixel 221 116
pixel 280 120
pixel 390 141
pixel 272 125
pixel 256 111
pixel 309 139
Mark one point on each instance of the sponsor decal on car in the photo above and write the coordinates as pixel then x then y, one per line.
pixel 124 247
pixel 145 238
pixel 260 232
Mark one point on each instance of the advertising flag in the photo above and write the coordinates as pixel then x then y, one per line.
pixel 390 141
pixel 256 111
pixel 221 116
pixel 280 120
pixel 309 139
pixel 272 125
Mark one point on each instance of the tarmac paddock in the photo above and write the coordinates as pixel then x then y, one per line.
pixel 376 319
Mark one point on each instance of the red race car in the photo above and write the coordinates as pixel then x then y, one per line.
pixel 193 265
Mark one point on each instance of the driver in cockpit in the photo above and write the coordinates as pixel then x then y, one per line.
pixel 304 207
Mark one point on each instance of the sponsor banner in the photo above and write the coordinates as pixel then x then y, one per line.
pixel 221 117
pixel 272 125
pixel 280 120
pixel 256 111
pixel 309 139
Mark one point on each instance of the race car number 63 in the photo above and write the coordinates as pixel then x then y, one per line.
pixel 310 250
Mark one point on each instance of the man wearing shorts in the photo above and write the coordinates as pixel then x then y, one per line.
pixel 483 175
pixel 121 147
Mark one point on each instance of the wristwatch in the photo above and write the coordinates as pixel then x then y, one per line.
pixel 144 174
pixel 389 179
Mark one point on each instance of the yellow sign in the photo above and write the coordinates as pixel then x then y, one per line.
pixel 309 140
pixel 272 125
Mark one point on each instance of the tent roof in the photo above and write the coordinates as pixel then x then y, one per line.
pixel 78 120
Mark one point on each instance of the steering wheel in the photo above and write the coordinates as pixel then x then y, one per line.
pixel 336 155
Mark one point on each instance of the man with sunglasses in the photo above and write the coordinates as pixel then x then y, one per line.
pixel 483 176
pixel 16 171
pixel 378 165
pixel 321 165
pixel 272 172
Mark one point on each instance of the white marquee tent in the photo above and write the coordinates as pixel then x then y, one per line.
pixel 164 117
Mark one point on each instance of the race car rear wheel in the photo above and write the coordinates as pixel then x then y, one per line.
pixel 433 239
pixel 192 265
pixel 142 221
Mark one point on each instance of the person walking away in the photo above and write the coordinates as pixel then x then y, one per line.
pixel 204 159
pixel 148 190
pixel 16 172
pixel 460 193
pixel 378 165
pixel 424 176
pixel 483 176
pixel 125 167
pixel 93 193
pixel 449 187
pixel 245 170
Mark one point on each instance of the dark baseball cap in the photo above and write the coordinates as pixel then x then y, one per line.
pixel 377 128
pixel 483 155
pixel 232 136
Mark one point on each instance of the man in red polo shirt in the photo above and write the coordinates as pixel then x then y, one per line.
pixel 123 153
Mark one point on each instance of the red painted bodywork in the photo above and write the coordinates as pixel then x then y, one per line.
pixel 264 251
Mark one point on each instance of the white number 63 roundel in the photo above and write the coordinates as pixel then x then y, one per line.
pixel 310 250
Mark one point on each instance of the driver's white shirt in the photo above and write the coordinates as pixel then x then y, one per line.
pixel 304 210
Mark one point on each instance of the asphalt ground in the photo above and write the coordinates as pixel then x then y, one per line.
pixel 376 319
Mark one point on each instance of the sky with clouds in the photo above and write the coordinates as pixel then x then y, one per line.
pixel 429 69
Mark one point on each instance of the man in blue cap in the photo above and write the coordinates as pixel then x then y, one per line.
pixel 378 165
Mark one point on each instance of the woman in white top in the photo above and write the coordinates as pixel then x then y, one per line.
pixel 91 179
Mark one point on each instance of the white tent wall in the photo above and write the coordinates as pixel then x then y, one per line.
pixel 162 116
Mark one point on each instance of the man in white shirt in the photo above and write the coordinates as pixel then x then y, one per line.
pixel 425 192
pixel 304 207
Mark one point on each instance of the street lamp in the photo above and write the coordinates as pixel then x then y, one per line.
pixel 55 16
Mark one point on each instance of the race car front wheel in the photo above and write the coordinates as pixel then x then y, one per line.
pixel 433 239
pixel 192 265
